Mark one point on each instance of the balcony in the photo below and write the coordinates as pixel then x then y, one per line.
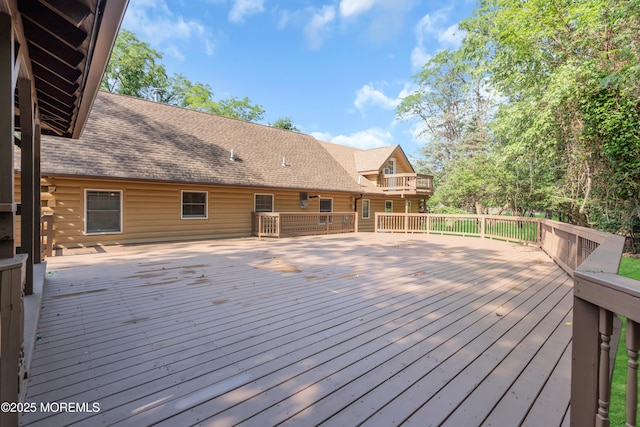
pixel 406 183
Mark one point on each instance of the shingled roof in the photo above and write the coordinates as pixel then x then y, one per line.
pixel 131 138
pixel 363 162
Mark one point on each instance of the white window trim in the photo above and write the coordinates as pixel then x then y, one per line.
pixel 273 200
pixel 206 205
pixel 385 205
pixel 368 210
pixel 86 191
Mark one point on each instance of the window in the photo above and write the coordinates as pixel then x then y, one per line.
pixel 103 212
pixel 263 203
pixel 326 205
pixel 388 205
pixel 194 204
pixel 366 208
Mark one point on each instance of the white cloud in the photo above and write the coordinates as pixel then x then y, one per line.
pixel 242 8
pixel 370 138
pixel 451 36
pixel 368 95
pixel 153 22
pixel 355 7
pixel 316 30
pixel 432 27
pixel 419 57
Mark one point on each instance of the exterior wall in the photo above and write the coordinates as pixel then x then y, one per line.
pixel 378 205
pixel 151 212
pixel 402 165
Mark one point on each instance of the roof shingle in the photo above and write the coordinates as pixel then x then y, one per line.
pixel 131 138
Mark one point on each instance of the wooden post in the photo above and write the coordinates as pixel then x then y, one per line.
pixel 11 329
pixel 584 366
pixel 27 187
pixel 605 329
pixel 7 90
pixel 278 224
pixel 37 202
pixel 406 216
pixel 633 345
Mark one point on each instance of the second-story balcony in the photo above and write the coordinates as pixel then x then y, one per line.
pixel 406 183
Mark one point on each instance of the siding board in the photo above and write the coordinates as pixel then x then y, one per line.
pixel 152 211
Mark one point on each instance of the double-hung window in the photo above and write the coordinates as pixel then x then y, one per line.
pixel 103 211
pixel 366 208
pixel 263 203
pixel 194 205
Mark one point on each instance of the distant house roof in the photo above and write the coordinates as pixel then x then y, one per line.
pixel 136 139
pixel 370 161
pixel 359 162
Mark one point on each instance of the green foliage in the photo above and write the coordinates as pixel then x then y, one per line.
pixel 565 137
pixel 134 70
pixel 286 124
pixel 239 109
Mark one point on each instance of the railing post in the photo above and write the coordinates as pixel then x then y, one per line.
pixel 584 366
pixel 259 225
pixel 633 345
pixel 278 225
pixel 605 328
pixel 482 220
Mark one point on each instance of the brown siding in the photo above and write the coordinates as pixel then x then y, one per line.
pixel 377 205
pixel 152 211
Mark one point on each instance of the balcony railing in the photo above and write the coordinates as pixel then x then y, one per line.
pixel 283 224
pixel 406 183
pixel 592 258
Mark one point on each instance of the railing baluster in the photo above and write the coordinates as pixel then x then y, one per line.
pixel 633 345
pixel 604 384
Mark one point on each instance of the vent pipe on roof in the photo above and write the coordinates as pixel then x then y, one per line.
pixel 156 94
pixel 284 162
pixel 232 157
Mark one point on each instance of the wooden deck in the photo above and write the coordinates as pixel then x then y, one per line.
pixel 342 330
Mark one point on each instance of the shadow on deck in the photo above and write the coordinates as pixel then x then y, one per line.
pixel 372 329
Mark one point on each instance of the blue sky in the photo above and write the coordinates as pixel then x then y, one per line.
pixel 337 68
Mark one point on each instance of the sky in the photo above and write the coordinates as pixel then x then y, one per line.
pixel 337 68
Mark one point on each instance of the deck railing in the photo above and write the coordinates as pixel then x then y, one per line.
pixel 284 224
pixel 406 182
pixel 592 258
pixel 512 229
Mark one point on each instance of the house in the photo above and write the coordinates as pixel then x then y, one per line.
pixel 147 172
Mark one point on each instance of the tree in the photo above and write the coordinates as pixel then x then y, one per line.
pixel 132 69
pixel 452 105
pixel 566 135
pixel 286 124
pixel 239 109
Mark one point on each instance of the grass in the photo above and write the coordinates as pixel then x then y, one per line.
pixel 629 267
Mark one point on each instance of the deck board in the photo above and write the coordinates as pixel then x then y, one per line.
pixel 377 329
